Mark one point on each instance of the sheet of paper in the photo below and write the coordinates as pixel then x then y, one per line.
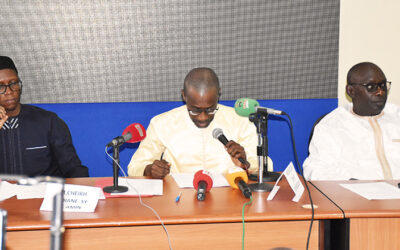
pixel 374 190
pixel 185 180
pixel 31 192
pixel 143 186
pixel 7 190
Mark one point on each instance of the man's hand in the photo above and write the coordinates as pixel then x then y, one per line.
pixel 236 151
pixel 3 116
pixel 158 170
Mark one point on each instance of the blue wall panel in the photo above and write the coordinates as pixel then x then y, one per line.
pixel 93 125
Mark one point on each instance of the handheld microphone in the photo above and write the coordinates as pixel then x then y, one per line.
pixel 133 133
pixel 238 179
pixel 203 182
pixel 247 106
pixel 218 134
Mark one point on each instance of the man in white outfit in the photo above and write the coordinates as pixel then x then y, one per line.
pixel 181 141
pixel 362 139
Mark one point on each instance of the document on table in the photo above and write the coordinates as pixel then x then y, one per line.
pixel 38 191
pixel 185 180
pixel 8 190
pixel 143 186
pixel 374 190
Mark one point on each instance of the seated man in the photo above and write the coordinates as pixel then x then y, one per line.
pixel 33 141
pixel 181 141
pixel 361 140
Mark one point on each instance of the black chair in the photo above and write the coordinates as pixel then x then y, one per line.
pixel 312 130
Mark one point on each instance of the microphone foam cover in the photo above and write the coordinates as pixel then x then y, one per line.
pixel 245 106
pixel 137 131
pixel 202 175
pixel 234 173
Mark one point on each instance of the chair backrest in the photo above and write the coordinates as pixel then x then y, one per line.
pixel 312 130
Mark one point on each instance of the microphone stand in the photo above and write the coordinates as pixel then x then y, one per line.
pixel 3 225
pixel 56 226
pixel 115 188
pixel 261 122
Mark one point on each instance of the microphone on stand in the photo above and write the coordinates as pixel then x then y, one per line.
pixel 259 115
pixel 203 182
pixel 133 133
pixel 247 106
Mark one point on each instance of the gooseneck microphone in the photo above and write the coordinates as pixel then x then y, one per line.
pixel 238 179
pixel 247 106
pixel 133 133
pixel 218 134
pixel 203 182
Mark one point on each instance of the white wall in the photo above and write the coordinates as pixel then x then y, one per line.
pixel 370 31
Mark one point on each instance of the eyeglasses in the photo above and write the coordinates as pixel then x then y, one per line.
pixel 14 86
pixel 209 111
pixel 373 87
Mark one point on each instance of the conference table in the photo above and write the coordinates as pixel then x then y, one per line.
pixel 216 223
pixel 368 224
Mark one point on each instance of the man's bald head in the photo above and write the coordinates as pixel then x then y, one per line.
pixel 362 72
pixel 202 80
pixel 201 93
pixel 367 87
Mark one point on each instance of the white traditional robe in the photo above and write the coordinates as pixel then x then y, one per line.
pixel 345 145
pixel 189 148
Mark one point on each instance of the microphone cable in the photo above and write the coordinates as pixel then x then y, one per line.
pixel 300 168
pixel 140 200
pixel 244 205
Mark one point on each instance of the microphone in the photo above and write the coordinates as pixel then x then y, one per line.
pixel 238 179
pixel 247 106
pixel 217 133
pixel 133 133
pixel 203 182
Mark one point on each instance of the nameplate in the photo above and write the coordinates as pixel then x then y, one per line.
pixel 77 198
pixel 294 183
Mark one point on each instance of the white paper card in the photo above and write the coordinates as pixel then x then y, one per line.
pixel 77 198
pixel 374 190
pixel 294 182
pixel 273 192
pixel 274 189
pixel 185 180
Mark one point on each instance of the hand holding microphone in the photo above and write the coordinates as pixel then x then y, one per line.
pixel 203 182
pixel 234 149
pixel 238 179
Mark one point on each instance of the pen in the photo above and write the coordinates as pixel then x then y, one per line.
pixel 178 197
